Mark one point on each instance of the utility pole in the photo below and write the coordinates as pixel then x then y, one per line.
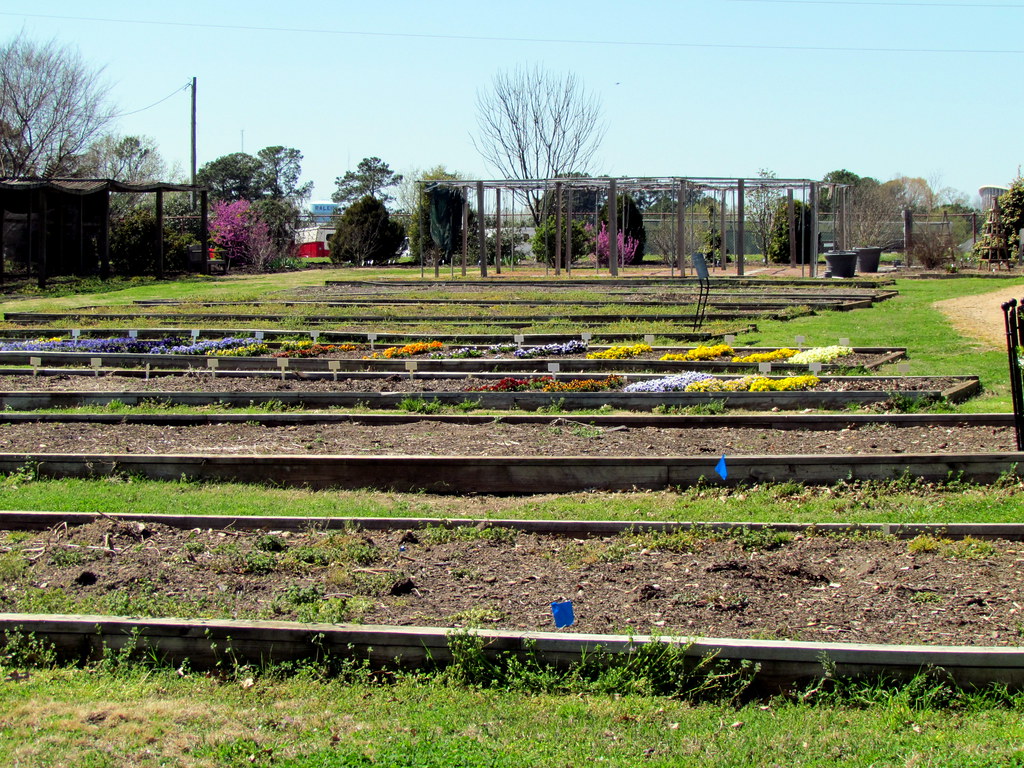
pixel 194 141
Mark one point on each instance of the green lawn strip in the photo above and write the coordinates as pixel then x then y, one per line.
pixel 896 502
pixel 91 718
pixel 909 320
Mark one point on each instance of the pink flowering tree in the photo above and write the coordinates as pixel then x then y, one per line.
pixel 627 247
pixel 244 237
pixel 229 228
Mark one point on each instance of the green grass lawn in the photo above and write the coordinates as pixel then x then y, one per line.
pixel 102 716
pixel 93 718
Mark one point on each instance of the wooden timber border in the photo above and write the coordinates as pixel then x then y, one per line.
pixel 510 321
pixel 383 338
pixel 210 644
pixel 25 400
pixel 16 520
pixel 804 421
pixel 730 301
pixel 883 356
pixel 519 474
pixel 633 282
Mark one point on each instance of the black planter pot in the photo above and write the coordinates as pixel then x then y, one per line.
pixel 841 263
pixel 867 259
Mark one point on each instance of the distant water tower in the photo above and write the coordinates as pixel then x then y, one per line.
pixel 989 194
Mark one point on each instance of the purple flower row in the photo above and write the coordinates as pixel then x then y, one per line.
pixel 573 347
pixel 121 344
pixel 675 383
pixel 203 347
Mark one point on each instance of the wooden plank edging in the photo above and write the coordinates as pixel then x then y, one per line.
pixel 209 644
pixel 21 520
pixel 518 475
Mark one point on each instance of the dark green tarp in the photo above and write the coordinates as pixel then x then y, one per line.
pixel 445 217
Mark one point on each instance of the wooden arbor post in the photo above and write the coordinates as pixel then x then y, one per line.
pixel 613 229
pixel 159 234
pixel 791 218
pixel 481 227
pixel 558 227
pixel 497 231
pixel 568 232
pixel 465 228
pixel 681 229
pixel 813 255
pixel 740 233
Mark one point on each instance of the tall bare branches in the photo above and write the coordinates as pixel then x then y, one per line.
pixel 535 124
pixel 51 107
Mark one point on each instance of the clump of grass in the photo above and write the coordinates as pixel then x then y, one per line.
pixel 420 405
pixel 967 548
pixel 437 534
pixel 13 567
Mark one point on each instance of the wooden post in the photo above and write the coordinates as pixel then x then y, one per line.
pixel 681 229
pixel 43 238
pixel 740 234
pixel 204 226
pixel 159 234
pixel 974 228
pixel 81 238
pixel 908 233
pixel 558 227
pixel 481 228
pixel 105 250
pixel 465 228
pixel 613 229
pixel 497 231
pixel 791 218
pixel 722 249
pixel 568 232
pixel 3 238
pixel 813 255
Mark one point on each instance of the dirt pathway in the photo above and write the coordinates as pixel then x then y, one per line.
pixel 980 317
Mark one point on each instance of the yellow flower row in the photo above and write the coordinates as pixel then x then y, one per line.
pixel 755 384
pixel 766 357
pixel 621 352
pixel 703 352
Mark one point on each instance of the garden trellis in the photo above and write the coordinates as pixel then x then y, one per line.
pixel 540 196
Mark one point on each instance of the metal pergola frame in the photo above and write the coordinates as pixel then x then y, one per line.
pixel 681 185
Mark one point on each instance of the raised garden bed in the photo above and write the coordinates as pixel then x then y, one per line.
pixel 866 357
pixel 376 390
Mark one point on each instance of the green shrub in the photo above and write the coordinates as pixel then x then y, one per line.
pixel 778 244
pixel 543 242
pixel 366 234
pixel 133 244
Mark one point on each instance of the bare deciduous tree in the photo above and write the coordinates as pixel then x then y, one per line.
pixel 124 158
pixel 52 105
pixel 535 124
pixel 762 206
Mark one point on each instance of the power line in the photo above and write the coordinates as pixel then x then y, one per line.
pixel 175 92
pixel 888 3
pixel 559 41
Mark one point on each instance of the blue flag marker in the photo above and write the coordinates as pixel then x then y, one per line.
pixel 721 469
pixel 563 614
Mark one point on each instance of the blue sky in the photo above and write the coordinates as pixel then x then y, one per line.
pixel 690 88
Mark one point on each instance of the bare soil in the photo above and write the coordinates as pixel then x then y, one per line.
pixel 566 437
pixel 807 588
